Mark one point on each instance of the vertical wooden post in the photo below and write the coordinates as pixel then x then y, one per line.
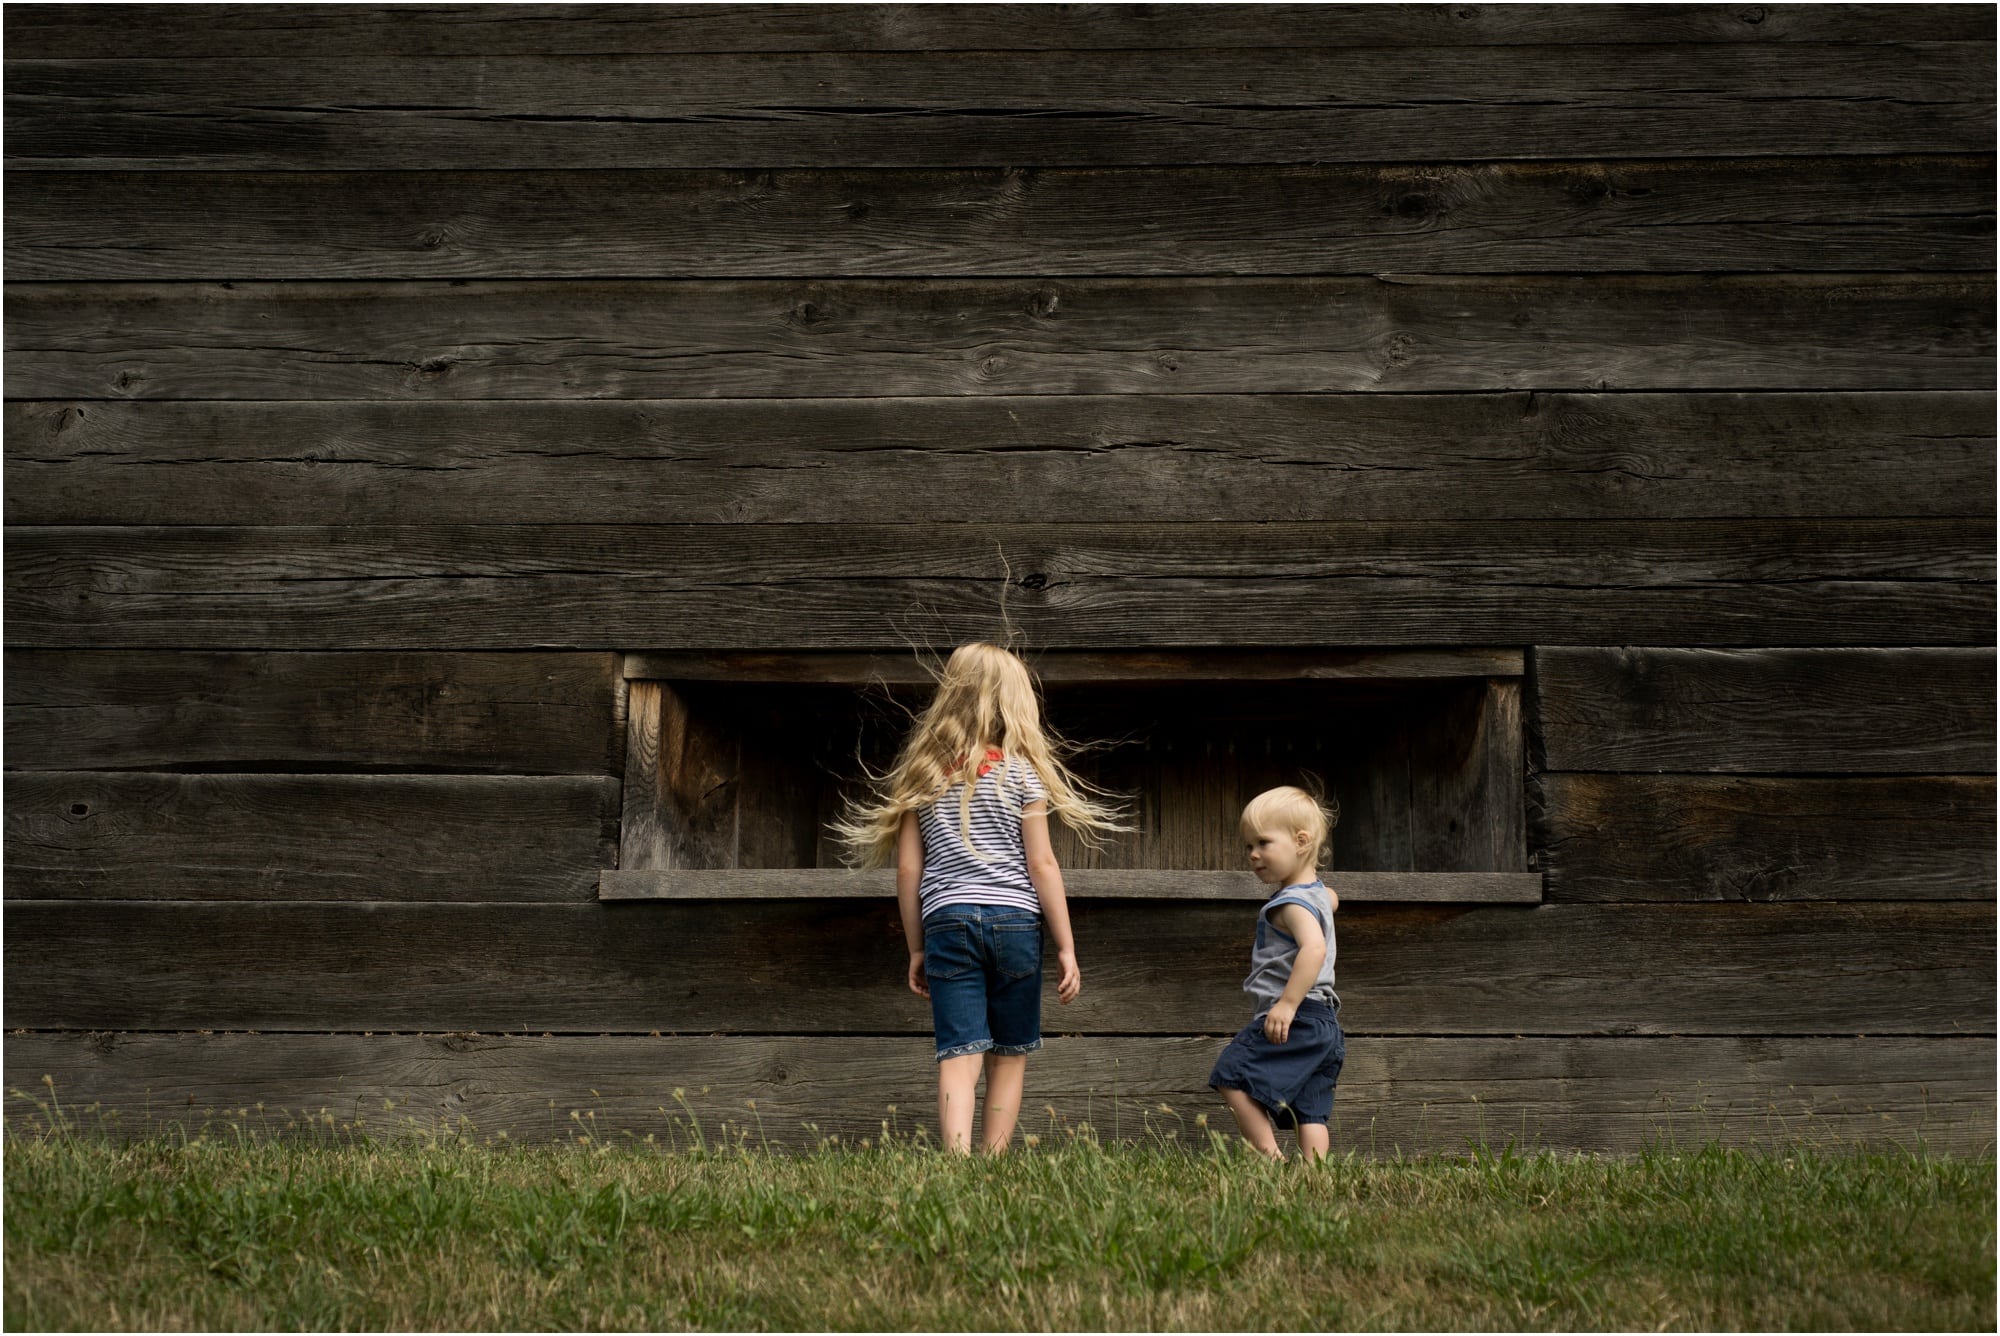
pixel 681 781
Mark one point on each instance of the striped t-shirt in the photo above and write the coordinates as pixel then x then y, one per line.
pixel 953 874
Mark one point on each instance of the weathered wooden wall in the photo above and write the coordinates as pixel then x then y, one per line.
pixel 376 376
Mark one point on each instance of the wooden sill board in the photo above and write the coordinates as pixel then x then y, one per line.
pixel 1071 666
pixel 1139 884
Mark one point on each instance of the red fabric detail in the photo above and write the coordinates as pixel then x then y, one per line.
pixel 992 754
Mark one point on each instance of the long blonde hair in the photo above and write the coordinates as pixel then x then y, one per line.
pixel 985 698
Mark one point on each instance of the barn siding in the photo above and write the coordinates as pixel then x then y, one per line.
pixel 378 375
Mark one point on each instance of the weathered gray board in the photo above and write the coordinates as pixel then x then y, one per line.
pixel 789 338
pixel 1785 711
pixel 1395 1094
pixel 1744 215
pixel 513 714
pixel 1735 837
pixel 831 967
pixel 74 32
pixel 993 108
pixel 1100 458
pixel 1090 883
pixel 1714 582
pixel 136 836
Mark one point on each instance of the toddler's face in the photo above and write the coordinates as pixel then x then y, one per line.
pixel 1276 856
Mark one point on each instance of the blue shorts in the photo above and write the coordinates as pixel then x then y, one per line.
pixel 984 966
pixel 1293 1081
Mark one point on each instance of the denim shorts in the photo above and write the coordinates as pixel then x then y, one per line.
pixel 984 966
pixel 1293 1081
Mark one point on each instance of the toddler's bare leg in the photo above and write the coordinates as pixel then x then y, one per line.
pixel 1313 1140
pixel 958 1079
pixel 1006 1073
pixel 1255 1126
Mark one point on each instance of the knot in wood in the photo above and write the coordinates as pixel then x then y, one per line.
pixel 808 313
pixel 856 211
pixel 1034 580
pixel 992 366
pixel 1413 206
pixel 79 809
pixel 1754 14
pixel 1168 362
pixel 432 238
pixel 433 367
pixel 1042 303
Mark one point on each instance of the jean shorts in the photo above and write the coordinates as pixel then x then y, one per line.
pixel 984 966
pixel 1293 1081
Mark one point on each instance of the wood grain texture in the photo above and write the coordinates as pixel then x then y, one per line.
pixel 1798 711
pixel 85 835
pixel 1001 108
pixel 1411 1095
pixel 759 883
pixel 831 967
pixel 1700 215
pixel 1087 667
pixel 1901 582
pixel 1706 838
pixel 743 338
pixel 91 31
pixel 492 713
pixel 1109 458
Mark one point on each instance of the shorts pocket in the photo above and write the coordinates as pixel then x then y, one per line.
pixel 948 952
pixel 1017 949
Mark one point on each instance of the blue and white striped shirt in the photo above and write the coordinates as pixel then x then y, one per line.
pixel 953 874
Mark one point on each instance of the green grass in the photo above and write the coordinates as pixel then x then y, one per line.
pixel 437 1233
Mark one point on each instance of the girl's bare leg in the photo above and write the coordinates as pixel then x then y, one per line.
pixel 1313 1140
pixel 958 1079
pixel 1006 1073
pixel 1255 1126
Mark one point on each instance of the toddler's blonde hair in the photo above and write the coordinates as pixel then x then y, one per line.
pixel 985 698
pixel 1290 808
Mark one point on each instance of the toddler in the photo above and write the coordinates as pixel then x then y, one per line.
pixel 1280 1069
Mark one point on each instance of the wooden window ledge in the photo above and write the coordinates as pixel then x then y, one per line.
pixel 1094 884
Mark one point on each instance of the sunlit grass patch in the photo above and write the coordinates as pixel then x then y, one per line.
pixel 441 1231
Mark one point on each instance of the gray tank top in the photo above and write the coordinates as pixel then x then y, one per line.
pixel 1273 954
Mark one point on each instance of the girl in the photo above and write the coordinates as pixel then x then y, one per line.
pixel 964 810
pixel 1281 1068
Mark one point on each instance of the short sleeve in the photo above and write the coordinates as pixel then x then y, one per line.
pixel 1026 783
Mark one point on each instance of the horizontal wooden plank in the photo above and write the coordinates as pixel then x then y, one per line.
pixel 90 31
pixel 521 714
pixel 1802 711
pixel 1055 586
pixel 1083 883
pixel 1121 457
pixel 1081 666
pixel 1700 837
pixel 1408 1095
pixel 838 966
pixel 1001 108
pixel 86 835
pixel 1715 215
pixel 742 338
